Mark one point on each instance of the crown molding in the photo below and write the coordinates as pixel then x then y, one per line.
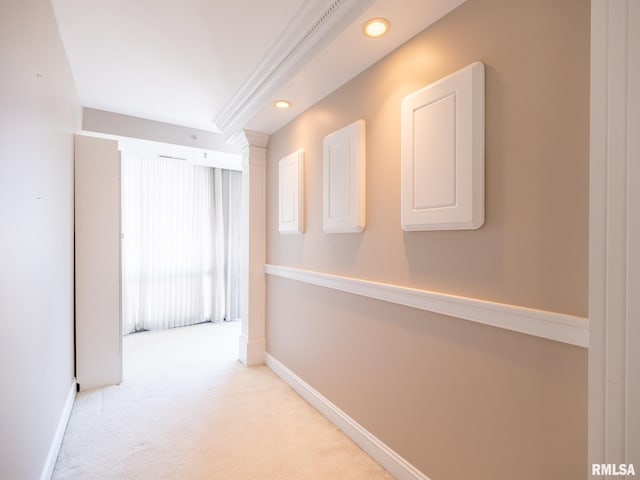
pixel 314 25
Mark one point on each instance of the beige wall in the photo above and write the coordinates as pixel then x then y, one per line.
pixel 39 112
pixel 457 400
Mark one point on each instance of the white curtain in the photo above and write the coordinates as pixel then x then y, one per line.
pixel 180 258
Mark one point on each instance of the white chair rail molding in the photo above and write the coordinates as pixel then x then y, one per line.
pixel 560 327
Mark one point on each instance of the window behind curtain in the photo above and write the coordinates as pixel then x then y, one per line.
pixel 180 255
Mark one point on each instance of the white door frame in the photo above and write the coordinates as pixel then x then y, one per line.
pixel 98 323
pixel 614 238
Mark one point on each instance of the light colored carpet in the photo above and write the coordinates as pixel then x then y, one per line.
pixel 187 409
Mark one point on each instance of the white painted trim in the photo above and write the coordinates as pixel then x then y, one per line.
pixel 56 442
pixel 553 326
pixel 379 451
pixel 313 26
pixel 614 237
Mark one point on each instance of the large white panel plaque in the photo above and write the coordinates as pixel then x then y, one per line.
pixel 443 153
pixel 291 193
pixel 344 179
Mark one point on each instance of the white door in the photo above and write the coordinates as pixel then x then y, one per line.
pixel 97 262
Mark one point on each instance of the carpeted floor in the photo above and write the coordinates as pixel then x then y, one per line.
pixel 187 409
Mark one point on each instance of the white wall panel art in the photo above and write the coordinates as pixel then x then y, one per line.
pixel 291 193
pixel 443 153
pixel 344 199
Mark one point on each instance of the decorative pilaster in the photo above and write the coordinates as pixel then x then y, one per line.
pixel 614 270
pixel 254 179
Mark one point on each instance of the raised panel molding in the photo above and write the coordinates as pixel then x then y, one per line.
pixel 291 193
pixel 443 153
pixel 550 325
pixel 343 165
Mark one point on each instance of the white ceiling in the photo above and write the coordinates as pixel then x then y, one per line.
pixel 183 62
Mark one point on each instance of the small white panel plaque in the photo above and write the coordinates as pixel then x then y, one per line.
pixel 291 193
pixel 443 153
pixel 344 179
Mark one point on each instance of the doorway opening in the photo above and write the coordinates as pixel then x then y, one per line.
pixel 180 253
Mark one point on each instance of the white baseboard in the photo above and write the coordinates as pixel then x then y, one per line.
pixel 52 456
pixel 385 456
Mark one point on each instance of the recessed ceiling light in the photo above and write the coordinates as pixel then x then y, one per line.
pixel 376 27
pixel 282 104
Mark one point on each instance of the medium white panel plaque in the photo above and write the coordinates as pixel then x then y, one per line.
pixel 344 179
pixel 291 193
pixel 443 153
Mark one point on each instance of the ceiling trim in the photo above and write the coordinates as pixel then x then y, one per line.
pixel 315 24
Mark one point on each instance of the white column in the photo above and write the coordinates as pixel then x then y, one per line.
pixel 254 178
pixel 614 264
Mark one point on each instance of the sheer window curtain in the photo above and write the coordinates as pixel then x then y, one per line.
pixel 180 258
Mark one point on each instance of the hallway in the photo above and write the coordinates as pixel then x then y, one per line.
pixel 187 409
